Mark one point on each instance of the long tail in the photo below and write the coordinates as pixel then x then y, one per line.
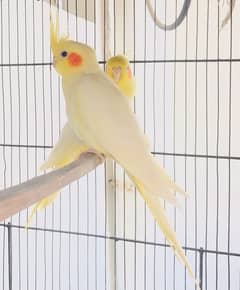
pixel 153 177
pixel 59 157
pixel 40 206
pixel 157 210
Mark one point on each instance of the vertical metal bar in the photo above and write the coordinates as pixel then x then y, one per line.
pixel 207 144
pixel 186 142
pixel 174 135
pixel 103 30
pixel 96 230
pixel 44 142
pixel 201 253
pixel 52 206
pixel 109 170
pixel 164 126
pixel 9 24
pixel 18 84
pixel 27 129
pixel 229 150
pixel 78 185
pixel 144 128
pixel 9 227
pixel 154 132
pixel 87 250
pixel 60 196
pixel 3 113
pixel 135 192
pixel 69 186
pixel 196 125
pixel 111 225
pixel 124 174
pixel 217 143
pixel 35 123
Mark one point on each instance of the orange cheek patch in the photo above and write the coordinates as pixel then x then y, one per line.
pixel 74 59
pixel 129 73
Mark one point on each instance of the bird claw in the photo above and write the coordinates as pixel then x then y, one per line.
pixel 129 187
pixel 101 156
pixel 121 186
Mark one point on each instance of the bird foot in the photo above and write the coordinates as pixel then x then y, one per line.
pixel 121 186
pixel 101 156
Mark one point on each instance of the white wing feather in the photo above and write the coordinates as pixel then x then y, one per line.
pixel 103 118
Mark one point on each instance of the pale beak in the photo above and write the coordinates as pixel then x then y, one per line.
pixel 116 73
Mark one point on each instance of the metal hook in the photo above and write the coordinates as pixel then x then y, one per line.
pixel 177 22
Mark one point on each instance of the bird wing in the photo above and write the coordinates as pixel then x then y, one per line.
pixel 99 113
pixel 67 149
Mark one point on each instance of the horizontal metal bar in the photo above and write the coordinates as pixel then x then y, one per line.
pixel 154 152
pixel 26 64
pixel 186 60
pixel 197 155
pixel 135 61
pixel 27 146
pixel 119 239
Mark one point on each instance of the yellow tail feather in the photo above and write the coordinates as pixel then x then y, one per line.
pixel 57 159
pixel 157 210
pixel 40 206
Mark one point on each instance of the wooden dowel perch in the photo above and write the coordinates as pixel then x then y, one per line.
pixel 19 197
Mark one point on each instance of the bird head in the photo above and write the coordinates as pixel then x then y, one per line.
pixel 70 57
pixel 118 68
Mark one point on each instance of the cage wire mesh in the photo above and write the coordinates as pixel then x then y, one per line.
pixel 187 103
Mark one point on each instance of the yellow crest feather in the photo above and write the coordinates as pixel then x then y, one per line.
pixel 55 38
pixel 54 33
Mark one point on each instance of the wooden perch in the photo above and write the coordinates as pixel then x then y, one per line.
pixel 19 197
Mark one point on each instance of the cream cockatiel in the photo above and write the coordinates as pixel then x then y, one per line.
pixel 99 114
pixel 118 69
pixel 69 147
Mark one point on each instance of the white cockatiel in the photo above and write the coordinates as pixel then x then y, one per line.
pixel 69 147
pixel 99 114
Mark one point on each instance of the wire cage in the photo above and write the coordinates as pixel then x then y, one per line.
pixel 188 105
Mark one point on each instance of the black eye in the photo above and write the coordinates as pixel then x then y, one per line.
pixel 64 53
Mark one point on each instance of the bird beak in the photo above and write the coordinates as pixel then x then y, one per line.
pixel 116 73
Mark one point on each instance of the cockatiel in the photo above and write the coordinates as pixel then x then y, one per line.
pixel 118 68
pixel 99 114
pixel 69 146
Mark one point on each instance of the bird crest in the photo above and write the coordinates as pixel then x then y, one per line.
pixel 55 38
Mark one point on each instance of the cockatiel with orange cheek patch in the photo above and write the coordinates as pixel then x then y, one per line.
pixel 99 114
pixel 69 147
pixel 118 68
